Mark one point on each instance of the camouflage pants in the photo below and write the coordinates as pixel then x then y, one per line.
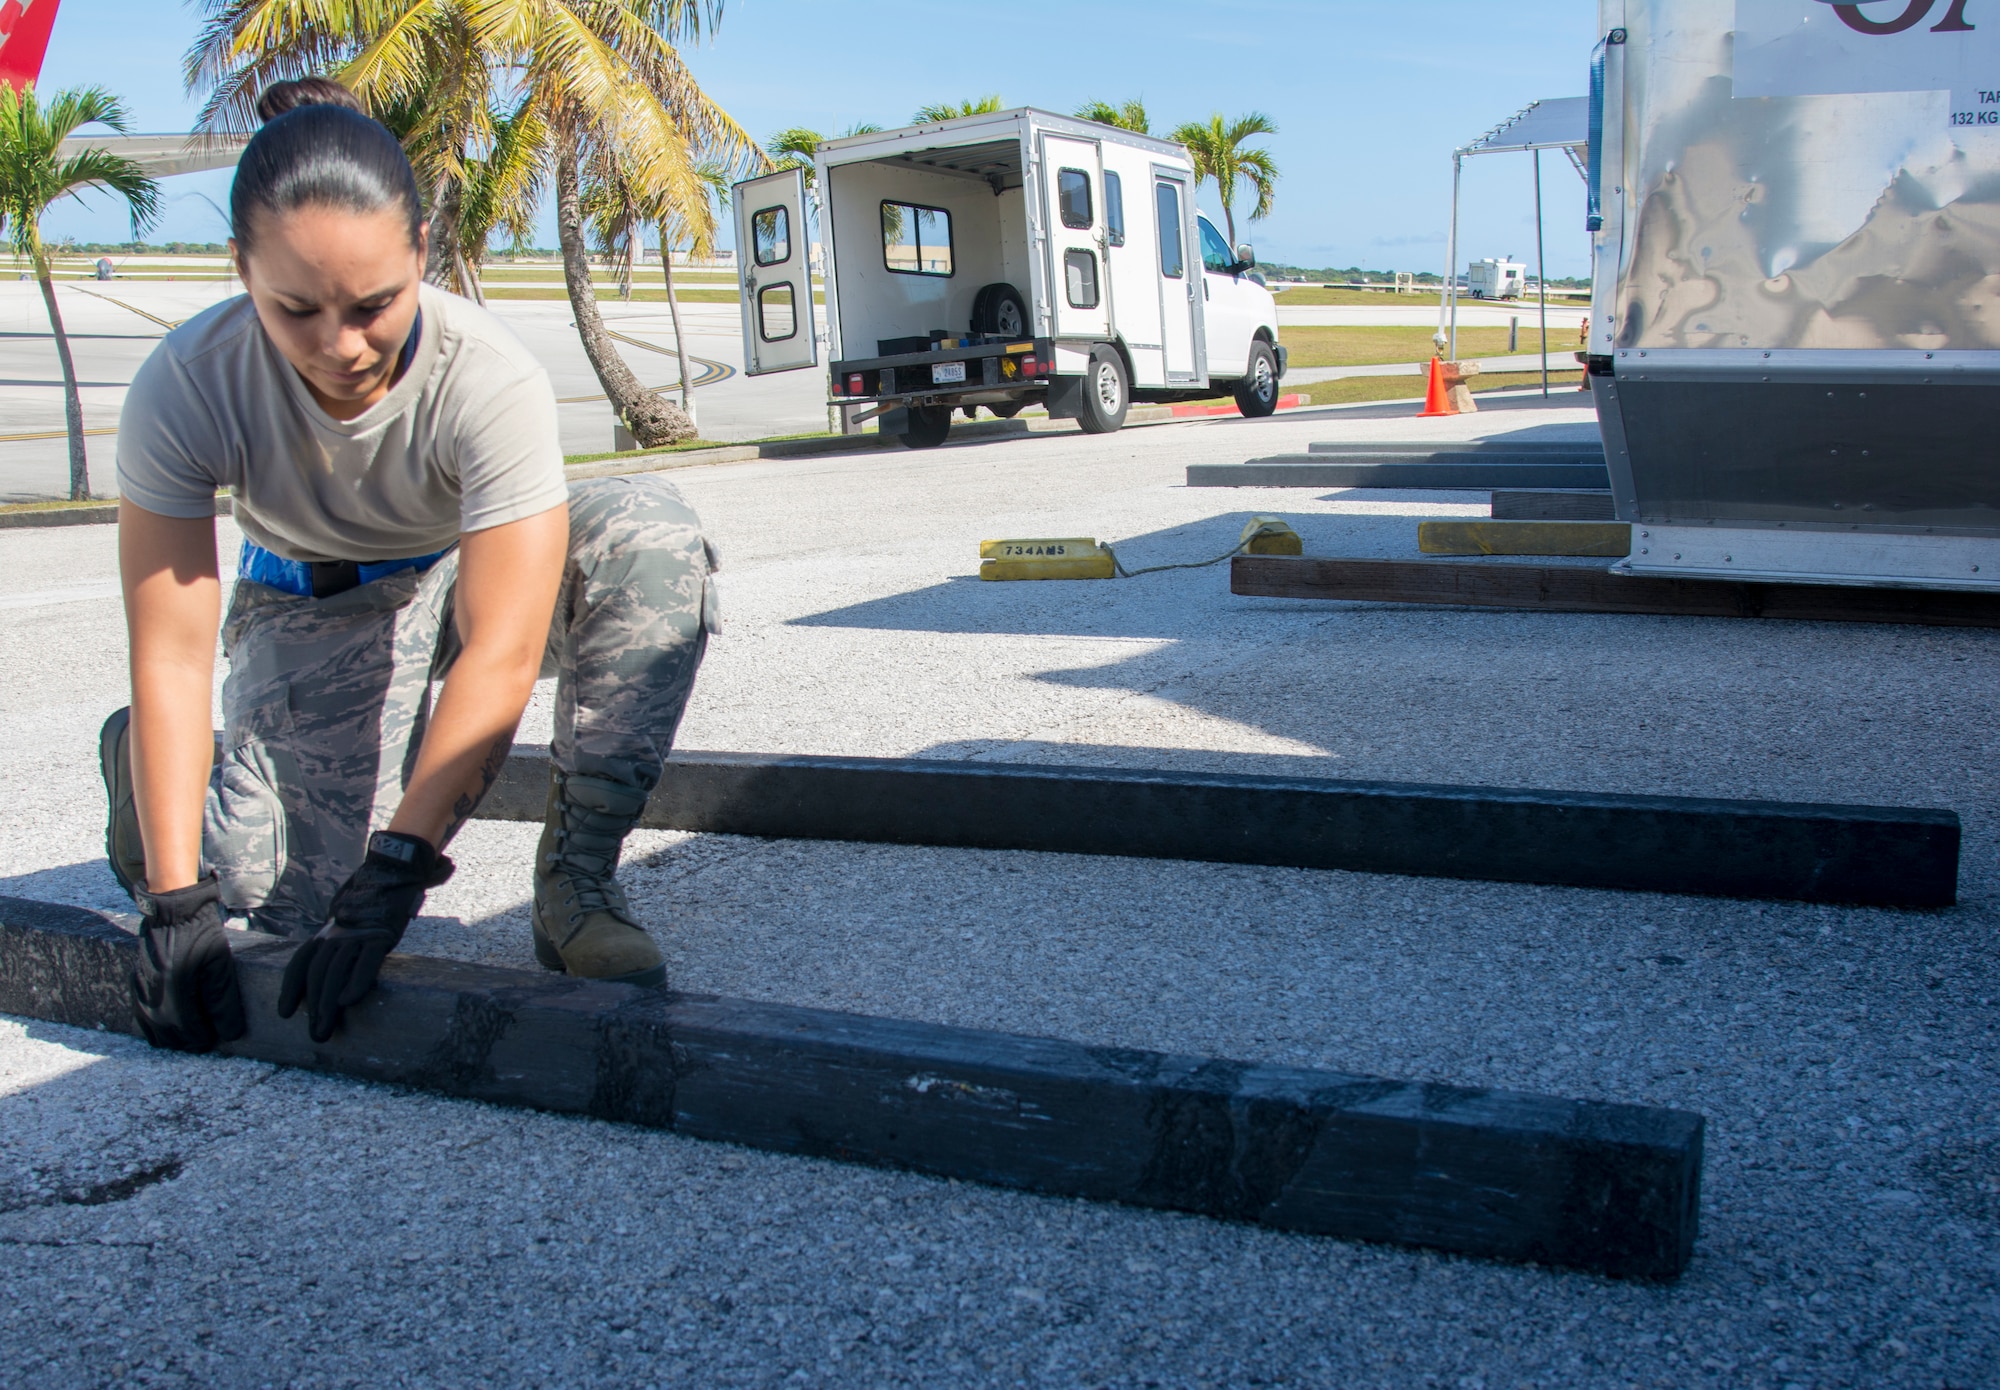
pixel 326 699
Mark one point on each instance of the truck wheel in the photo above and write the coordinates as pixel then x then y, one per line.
pixel 999 309
pixel 1106 393
pixel 929 424
pixel 1257 393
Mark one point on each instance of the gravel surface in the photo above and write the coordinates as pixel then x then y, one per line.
pixel 193 1221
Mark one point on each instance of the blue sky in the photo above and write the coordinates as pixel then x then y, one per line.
pixel 1370 97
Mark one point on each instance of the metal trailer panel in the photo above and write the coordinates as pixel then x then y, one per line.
pixel 1796 308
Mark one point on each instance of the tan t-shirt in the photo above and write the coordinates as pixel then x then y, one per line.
pixel 464 441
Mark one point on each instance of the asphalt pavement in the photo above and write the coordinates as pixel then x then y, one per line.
pixel 178 1221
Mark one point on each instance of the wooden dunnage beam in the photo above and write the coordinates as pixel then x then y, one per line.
pixel 1887 856
pixel 1594 589
pixel 1602 539
pixel 1612 1189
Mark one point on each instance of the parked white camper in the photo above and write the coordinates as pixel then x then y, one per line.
pixel 1005 260
pixel 1495 278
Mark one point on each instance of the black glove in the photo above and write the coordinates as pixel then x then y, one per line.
pixel 184 992
pixel 336 969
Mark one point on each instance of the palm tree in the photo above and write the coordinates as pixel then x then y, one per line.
pixel 697 227
pixel 1217 149
pixel 927 115
pixel 500 194
pixel 795 146
pixel 32 176
pixel 584 77
pixel 619 210
pixel 1130 116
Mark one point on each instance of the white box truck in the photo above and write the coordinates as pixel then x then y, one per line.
pixel 1496 278
pixel 1004 260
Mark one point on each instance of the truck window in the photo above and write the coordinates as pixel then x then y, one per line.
pixel 1114 209
pixel 1167 200
pixel 771 230
pixel 777 314
pixel 1080 278
pixel 1215 252
pixel 916 240
pixel 1073 198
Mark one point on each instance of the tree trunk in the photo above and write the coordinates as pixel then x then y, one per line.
pixel 444 235
pixel 468 279
pixel 674 312
pixel 79 462
pixel 652 421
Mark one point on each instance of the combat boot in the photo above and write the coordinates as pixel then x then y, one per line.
pixel 582 925
pixel 121 826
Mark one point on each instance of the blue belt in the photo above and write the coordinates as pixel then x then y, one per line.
pixel 320 578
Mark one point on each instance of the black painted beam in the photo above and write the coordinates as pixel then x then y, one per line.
pixel 1889 856
pixel 1573 505
pixel 1443 472
pixel 1572 588
pixel 1586 450
pixel 1612 1189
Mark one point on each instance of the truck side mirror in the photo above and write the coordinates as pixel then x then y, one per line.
pixel 1245 257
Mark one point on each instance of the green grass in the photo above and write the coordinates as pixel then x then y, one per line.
pixel 1374 344
pixel 57 506
pixel 510 274
pixel 1355 390
pixel 607 293
pixel 1422 298
pixel 638 296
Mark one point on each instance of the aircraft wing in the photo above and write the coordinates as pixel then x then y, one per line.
pixel 163 155
pixel 24 41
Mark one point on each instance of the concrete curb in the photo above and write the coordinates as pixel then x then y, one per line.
pixel 839 444
pixel 1612 1189
pixel 1888 856
pixel 97 515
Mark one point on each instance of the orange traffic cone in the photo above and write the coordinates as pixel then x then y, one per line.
pixel 1436 402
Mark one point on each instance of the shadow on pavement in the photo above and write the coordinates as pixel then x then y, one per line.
pixel 1174 604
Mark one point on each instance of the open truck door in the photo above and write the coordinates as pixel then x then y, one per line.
pixel 1072 196
pixel 779 329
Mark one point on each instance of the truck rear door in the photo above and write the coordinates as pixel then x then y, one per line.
pixel 1073 204
pixel 779 333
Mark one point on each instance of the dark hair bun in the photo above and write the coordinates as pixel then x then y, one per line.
pixel 280 97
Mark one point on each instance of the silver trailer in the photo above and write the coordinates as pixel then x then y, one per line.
pixel 1795 332
pixel 1004 260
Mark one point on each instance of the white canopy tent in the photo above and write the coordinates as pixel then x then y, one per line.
pixel 1558 123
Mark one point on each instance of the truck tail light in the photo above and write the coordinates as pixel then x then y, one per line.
pixel 854 386
pixel 1030 367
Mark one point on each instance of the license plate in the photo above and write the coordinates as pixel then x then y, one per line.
pixel 943 372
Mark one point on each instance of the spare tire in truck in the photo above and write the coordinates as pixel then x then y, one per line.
pixel 999 309
pixel 929 424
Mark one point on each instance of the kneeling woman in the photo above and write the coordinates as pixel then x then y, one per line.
pixel 393 455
